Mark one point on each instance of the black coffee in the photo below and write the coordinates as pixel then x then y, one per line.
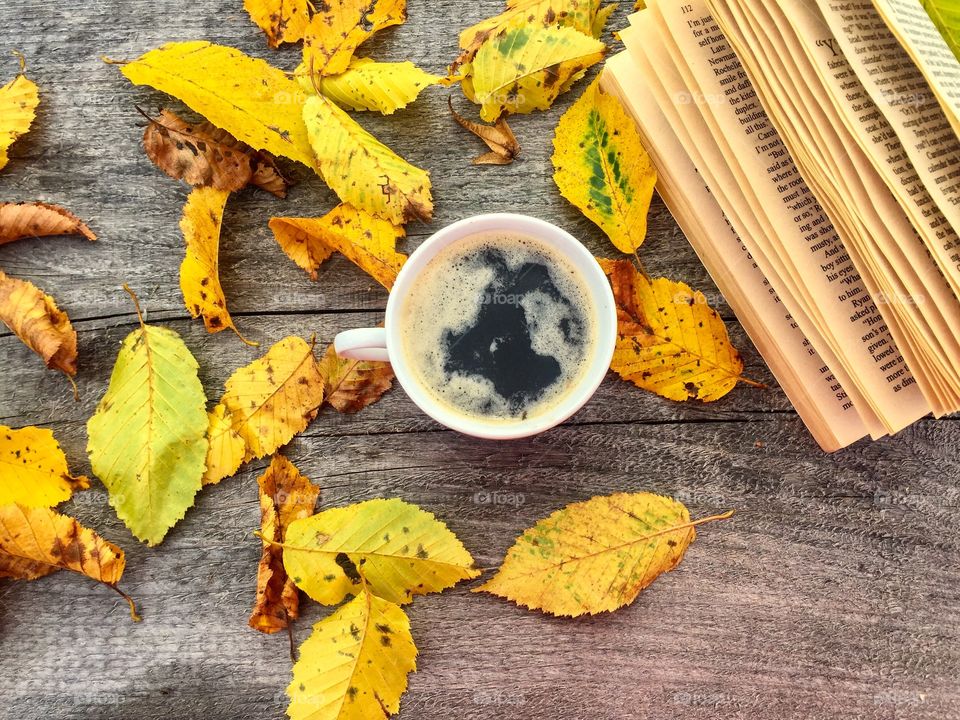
pixel 499 327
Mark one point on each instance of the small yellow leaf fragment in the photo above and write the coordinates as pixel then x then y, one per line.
pixel 264 404
pixel 400 551
pixel 526 68
pixel 354 665
pixel 33 469
pixel 670 341
pixel 250 99
pixel 595 556
pixel 285 496
pixel 383 87
pixel 361 170
pixel 601 166
pixel 18 104
pixel 351 385
pixel 366 241
pixel 35 318
pixel 283 21
pixel 339 27
pixel 200 269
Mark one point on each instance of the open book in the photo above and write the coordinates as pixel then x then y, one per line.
pixel 809 151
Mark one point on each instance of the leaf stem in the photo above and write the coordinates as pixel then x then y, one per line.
pixel 136 304
pixel 133 607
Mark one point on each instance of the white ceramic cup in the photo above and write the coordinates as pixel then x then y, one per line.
pixel 385 344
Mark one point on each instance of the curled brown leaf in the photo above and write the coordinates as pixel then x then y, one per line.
pixel 351 385
pixel 503 145
pixel 38 219
pixel 35 318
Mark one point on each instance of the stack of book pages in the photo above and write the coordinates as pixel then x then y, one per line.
pixel 809 151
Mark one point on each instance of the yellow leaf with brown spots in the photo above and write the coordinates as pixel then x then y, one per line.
pixel 200 269
pixel 351 385
pixel 265 404
pixel 527 68
pixel 367 241
pixel 595 556
pixel 283 21
pixel 285 496
pixel 339 27
pixel 38 219
pixel 670 341
pixel 18 104
pixel 33 469
pixel 361 170
pixel 354 665
pixel 35 542
pixel 35 318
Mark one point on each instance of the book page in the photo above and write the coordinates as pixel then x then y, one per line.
pixel 807 382
pixel 911 25
pixel 806 240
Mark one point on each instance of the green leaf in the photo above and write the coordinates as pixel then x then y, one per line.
pixel 602 167
pixel 399 549
pixel 147 438
pixel 946 16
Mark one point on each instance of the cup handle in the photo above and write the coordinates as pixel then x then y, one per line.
pixel 362 344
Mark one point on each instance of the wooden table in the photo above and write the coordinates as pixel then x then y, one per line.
pixel 833 593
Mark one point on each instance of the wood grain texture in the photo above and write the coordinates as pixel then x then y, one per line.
pixel 833 593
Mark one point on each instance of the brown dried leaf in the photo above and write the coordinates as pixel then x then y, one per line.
pixel 351 385
pixel 38 219
pixel 285 496
pixel 35 318
pixel 202 154
pixel 503 145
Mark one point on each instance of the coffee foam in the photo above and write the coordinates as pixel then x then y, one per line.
pixel 446 303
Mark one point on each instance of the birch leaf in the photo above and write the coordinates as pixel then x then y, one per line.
pixel 265 404
pixel 35 318
pixel 400 551
pixel 595 556
pixel 261 107
pixel 354 665
pixel 18 104
pixel 383 87
pixel 339 27
pixel 503 144
pixel 366 241
pixel 361 170
pixel 33 469
pixel 285 496
pixel 525 69
pixel 670 341
pixel 204 155
pixel 945 15
pixel 601 166
pixel 147 438
pixel 200 269
pixel 352 385
pixel 601 18
pixel 283 21
pixel 38 219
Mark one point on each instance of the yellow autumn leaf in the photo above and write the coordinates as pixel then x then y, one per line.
pixel 601 166
pixel 366 241
pixel 355 663
pixel 670 341
pixel 264 404
pixel 283 21
pixel 35 542
pixel 601 18
pixel 18 103
pixel 285 496
pixel 33 469
pixel 351 385
pixel 252 100
pixel 394 547
pixel 595 556
pixel 361 170
pixel 526 68
pixel 200 269
pixel 383 87
pixel 339 27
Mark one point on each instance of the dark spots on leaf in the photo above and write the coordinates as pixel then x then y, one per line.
pixel 354 632
pixel 422 552
pixel 348 567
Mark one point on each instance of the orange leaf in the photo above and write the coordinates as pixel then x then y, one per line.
pixel 285 496
pixel 339 27
pixel 35 318
pixel 351 385
pixel 284 21
pixel 38 219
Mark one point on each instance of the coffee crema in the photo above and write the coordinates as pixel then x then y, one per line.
pixel 498 327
